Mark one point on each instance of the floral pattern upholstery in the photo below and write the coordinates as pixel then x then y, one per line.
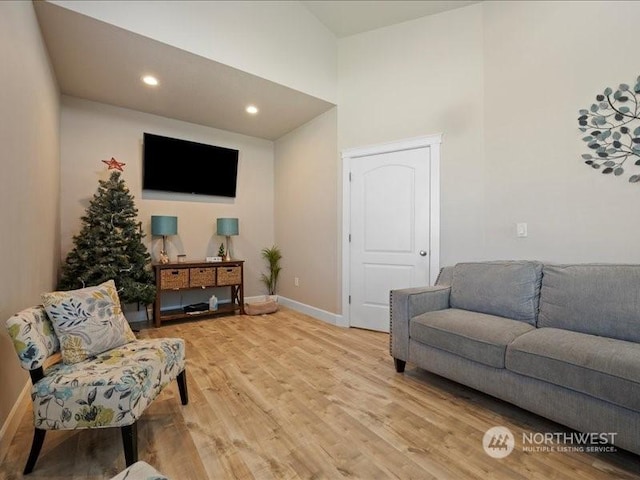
pixel 87 321
pixel 109 390
pixel 33 337
pixel 140 471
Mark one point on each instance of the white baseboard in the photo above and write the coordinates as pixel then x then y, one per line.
pixel 12 422
pixel 328 317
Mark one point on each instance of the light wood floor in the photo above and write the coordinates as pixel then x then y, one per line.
pixel 286 396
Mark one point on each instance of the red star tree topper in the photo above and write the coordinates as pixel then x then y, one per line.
pixel 114 164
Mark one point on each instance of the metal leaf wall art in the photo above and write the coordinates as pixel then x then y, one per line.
pixel 612 128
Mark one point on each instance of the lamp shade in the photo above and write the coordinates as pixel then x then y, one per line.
pixel 227 226
pixel 164 225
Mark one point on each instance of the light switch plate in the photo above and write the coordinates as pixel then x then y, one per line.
pixel 521 230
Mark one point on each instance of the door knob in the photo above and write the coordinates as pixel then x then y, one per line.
pixel 423 253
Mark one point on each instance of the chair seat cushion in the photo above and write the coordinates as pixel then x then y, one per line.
pixel 110 390
pixel 476 336
pixel 604 368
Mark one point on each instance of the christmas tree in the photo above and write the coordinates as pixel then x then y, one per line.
pixel 109 246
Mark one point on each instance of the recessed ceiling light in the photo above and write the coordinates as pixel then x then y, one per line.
pixel 150 80
pixel 252 109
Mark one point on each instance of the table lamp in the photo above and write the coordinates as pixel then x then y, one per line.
pixel 227 227
pixel 164 225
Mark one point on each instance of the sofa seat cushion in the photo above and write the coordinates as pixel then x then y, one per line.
pixel 602 367
pixel 110 390
pixel 475 336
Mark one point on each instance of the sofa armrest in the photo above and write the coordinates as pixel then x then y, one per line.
pixel 406 304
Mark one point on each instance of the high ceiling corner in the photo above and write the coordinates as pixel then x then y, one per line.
pixel 349 17
pixel 97 61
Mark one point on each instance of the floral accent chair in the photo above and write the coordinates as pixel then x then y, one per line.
pixel 140 471
pixel 110 389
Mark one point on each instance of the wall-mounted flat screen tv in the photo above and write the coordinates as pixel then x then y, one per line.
pixel 181 166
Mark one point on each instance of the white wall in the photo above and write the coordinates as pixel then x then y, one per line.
pixel 29 182
pixel 558 56
pixel 306 212
pixel 418 78
pixel 277 40
pixel 92 132
pixel 504 82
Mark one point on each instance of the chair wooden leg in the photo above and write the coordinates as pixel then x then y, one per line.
pixel 130 442
pixel 36 446
pixel 182 386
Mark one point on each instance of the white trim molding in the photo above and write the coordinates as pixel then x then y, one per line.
pixel 431 141
pixel 13 420
pixel 318 313
pixel 396 146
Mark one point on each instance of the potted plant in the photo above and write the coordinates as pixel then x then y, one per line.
pixel 272 256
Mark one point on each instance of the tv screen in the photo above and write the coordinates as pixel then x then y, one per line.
pixel 173 165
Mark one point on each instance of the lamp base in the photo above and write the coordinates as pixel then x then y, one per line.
pixel 227 255
pixel 164 258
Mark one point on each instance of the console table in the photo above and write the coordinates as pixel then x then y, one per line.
pixel 198 275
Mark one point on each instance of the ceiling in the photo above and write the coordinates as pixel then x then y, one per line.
pixel 348 17
pixel 100 62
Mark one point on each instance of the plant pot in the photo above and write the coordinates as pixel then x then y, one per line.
pixel 261 308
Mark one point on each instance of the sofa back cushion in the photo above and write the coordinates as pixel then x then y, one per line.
pixel 596 299
pixel 445 276
pixel 509 289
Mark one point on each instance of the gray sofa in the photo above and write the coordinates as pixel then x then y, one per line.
pixel 562 341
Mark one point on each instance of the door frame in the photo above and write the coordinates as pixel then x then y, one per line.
pixel 431 141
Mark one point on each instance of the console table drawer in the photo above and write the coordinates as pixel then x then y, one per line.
pixel 229 275
pixel 202 277
pixel 174 279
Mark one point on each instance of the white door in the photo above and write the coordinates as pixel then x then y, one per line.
pixel 390 231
